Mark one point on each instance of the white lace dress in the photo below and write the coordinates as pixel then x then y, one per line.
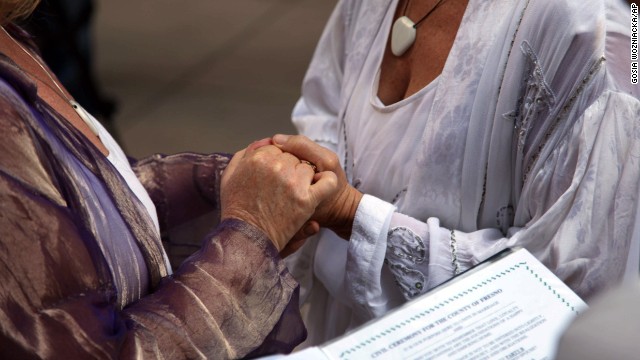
pixel 529 137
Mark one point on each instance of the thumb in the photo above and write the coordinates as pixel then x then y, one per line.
pixel 325 184
pixel 280 139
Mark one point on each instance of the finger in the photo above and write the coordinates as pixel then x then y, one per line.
pixel 310 228
pixel 309 171
pixel 303 148
pixel 325 185
pixel 311 165
pixel 258 144
pixel 290 158
pixel 265 149
pixel 292 247
pixel 299 165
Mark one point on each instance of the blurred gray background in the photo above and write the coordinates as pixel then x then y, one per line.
pixel 203 75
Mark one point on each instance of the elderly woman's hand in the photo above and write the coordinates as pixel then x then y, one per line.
pixel 337 211
pixel 273 190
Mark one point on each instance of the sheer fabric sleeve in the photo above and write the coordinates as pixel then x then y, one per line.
pixel 233 298
pixel 583 205
pixel 185 188
pixel 182 186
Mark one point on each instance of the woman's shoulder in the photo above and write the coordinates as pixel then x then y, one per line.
pixel 21 154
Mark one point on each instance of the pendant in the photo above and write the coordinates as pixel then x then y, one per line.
pixel 403 35
pixel 85 116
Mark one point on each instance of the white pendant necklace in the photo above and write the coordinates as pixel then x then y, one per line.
pixel 403 33
pixel 82 113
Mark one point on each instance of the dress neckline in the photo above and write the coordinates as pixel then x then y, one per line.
pixel 385 30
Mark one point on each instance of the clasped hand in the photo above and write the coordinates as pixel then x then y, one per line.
pixel 273 190
pixel 272 185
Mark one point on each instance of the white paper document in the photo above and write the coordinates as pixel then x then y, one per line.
pixel 511 307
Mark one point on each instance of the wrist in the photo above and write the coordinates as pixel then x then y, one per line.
pixel 245 217
pixel 250 236
pixel 344 223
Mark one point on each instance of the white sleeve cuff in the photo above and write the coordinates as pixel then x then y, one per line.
pixel 367 249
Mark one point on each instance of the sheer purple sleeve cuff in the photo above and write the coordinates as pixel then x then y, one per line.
pixel 240 296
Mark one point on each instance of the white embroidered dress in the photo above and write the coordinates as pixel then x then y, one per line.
pixel 529 137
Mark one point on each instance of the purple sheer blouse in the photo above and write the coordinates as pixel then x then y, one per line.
pixel 82 268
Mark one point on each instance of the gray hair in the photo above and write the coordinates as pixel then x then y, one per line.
pixel 11 10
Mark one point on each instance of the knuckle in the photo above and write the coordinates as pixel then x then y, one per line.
pixel 331 162
pixel 333 181
pixel 262 160
pixel 275 166
pixel 291 184
pixel 256 157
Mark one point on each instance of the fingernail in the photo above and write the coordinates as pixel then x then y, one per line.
pixel 280 139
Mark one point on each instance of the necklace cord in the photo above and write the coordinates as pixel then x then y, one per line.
pixel 55 83
pixel 406 6
pixel 82 113
pixel 437 5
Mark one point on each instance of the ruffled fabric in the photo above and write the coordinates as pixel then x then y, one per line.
pixel 68 288
pixel 531 140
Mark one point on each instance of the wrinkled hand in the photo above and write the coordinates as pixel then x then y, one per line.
pixel 273 190
pixel 337 211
